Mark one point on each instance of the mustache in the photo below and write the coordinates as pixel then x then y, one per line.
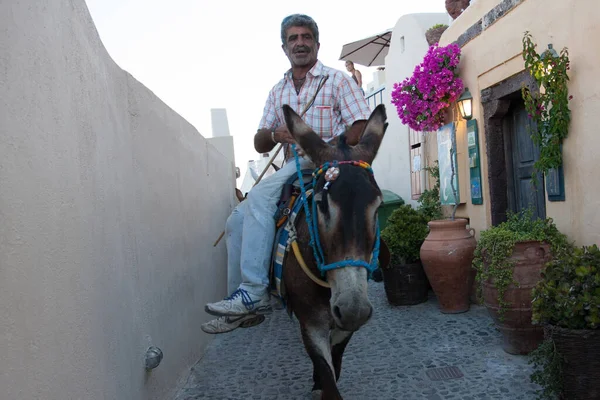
pixel 302 48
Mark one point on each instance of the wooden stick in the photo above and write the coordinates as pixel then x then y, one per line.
pixel 219 239
pixel 268 165
pixel 256 183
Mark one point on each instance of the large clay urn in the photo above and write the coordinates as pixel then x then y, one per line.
pixel 447 255
pixel 520 335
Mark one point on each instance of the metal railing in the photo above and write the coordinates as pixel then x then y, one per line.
pixel 375 98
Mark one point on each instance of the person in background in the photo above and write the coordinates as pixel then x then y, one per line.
pixel 356 75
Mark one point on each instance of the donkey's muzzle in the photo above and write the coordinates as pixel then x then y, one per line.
pixel 351 311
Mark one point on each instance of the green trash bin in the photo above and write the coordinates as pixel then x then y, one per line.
pixel 391 201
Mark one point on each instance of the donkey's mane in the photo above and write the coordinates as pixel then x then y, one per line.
pixel 339 142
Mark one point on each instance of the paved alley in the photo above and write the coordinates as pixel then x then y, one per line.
pixel 395 356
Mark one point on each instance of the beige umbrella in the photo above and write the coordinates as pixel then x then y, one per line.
pixel 370 51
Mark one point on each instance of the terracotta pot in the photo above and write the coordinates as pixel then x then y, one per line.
pixel 580 352
pixel 433 35
pixel 405 284
pixel 456 7
pixel 447 254
pixel 520 335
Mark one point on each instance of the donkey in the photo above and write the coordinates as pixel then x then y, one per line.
pixel 347 223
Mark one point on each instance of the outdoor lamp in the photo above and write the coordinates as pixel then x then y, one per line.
pixel 465 104
pixel 154 356
pixel 549 52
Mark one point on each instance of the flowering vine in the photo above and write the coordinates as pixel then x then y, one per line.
pixel 421 99
pixel 548 109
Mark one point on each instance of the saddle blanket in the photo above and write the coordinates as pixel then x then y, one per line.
pixel 292 207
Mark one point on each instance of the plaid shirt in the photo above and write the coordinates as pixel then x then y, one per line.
pixel 337 106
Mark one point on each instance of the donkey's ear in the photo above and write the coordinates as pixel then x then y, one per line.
pixel 297 127
pixel 372 136
pixel 310 142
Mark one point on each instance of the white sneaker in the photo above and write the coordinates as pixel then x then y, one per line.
pixel 240 303
pixel 227 324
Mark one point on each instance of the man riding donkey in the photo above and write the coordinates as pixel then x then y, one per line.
pixel 331 102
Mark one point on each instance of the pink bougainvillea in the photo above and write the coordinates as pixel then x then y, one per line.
pixel 422 98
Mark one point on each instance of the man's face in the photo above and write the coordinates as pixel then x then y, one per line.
pixel 300 46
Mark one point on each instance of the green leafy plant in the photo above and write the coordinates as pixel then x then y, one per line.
pixel 404 234
pixel 429 201
pixel 495 246
pixel 569 293
pixel 547 371
pixel 548 108
pixel 436 26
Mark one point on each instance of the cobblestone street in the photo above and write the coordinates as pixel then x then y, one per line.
pixel 395 356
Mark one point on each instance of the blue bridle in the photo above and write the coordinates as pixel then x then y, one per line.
pixel 312 221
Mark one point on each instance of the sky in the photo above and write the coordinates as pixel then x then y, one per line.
pixel 197 54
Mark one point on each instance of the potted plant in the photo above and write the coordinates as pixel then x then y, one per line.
pixel 422 99
pixel 433 34
pixel 566 302
pixel 509 259
pixel 404 279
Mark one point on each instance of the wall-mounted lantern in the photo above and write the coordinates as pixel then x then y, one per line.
pixel 465 105
pixel 549 53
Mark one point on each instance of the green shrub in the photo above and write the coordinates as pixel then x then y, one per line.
pixel 569 293
pixel 404 234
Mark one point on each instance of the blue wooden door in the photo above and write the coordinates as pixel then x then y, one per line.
pixel 525 189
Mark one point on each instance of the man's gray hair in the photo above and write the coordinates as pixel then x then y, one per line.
pixel 298 20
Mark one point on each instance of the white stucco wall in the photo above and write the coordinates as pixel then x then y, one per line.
pixel 109 206
pixel 219 122
pixel 377 82
pixel 224 144
pixel 392 165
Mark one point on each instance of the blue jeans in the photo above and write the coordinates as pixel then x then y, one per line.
pixel 250 231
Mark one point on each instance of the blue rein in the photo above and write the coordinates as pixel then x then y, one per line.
pixel 312 220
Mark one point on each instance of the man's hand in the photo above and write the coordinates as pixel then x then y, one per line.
pixel 283 135
pixel 263 140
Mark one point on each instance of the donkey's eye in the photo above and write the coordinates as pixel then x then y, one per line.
pixel 321 200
